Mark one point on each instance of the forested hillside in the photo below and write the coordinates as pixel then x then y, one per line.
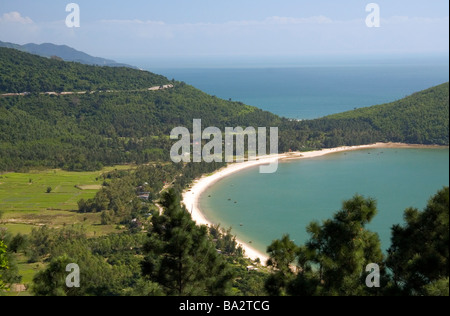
pixel 23 72
pixel 129 124
pixel 84 132
pixel 64 52
pixel 421 118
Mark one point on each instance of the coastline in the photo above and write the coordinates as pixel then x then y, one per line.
pixel 191 197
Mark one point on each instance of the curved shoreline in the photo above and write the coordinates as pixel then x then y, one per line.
pixel 192 196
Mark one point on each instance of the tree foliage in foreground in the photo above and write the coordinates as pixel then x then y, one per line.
pixel 3 265
pixel 418 256
pixel 181 257
pixel 333 261
pixel 109 265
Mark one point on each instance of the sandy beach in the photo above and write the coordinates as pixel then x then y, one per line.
pixel 191 197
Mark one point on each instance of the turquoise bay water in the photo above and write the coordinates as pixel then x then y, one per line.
pixel 312 92
pixel 302 191
pixel 269 206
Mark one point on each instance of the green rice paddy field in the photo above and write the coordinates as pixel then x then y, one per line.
pixel 25 204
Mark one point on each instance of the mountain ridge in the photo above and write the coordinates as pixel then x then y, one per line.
pixel 24 72
pixel 89 130
pixel 64 52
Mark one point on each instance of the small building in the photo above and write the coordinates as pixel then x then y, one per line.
pixel 144 197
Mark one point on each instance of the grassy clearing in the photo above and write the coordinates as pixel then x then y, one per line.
pixel 15 229
pixel 26 204
pixel 28 191
pixel 27 271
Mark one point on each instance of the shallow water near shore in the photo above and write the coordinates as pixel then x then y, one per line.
pixel 263 207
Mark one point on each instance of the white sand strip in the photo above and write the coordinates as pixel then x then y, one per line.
pixel 191 197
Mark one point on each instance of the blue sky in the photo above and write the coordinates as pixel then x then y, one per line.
pixel 232 28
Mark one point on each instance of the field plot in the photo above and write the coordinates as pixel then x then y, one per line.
pixel 50 198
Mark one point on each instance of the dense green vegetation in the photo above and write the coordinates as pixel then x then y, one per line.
pixel 3 264
pixel 421 118
pixel 419 253
pixel 63 52
pixel 154 253
pixel 86 132
pixel 179 257
pixel 119 198
pixel 176 257
pixel 23 72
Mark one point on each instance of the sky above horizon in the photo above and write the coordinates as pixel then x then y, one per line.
pixel 232 28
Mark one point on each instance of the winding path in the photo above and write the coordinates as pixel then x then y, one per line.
pixel 155 88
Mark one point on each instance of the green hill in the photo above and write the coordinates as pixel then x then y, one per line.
pixel 132 124
pixel 84 132
pixel 422 118
pixel 23 72
pixel 64 52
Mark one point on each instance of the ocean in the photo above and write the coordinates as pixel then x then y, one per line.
pixel 310 92
pixel 270 205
